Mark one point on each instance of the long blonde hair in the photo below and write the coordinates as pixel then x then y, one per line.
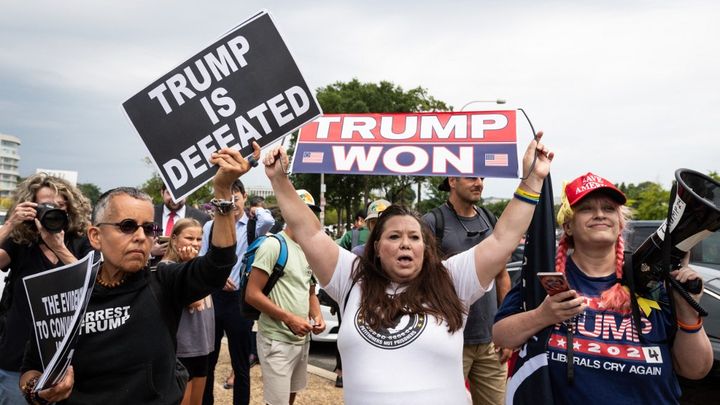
pixel 172 253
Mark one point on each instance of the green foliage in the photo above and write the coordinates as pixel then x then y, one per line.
pixel 201 196
pixel 91 191
pixel 497 208
pixel 356 97
pixel 433 196
pixel 399 190
pixel 153 187
pixel 648 200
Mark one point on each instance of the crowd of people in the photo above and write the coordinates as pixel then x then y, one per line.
pixel 428 312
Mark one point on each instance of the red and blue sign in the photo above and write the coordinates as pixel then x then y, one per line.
pixel 476 143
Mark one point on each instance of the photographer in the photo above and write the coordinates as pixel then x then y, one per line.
pixel 45 229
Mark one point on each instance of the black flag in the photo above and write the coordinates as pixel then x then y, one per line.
pixel 539 247
pixel 530 381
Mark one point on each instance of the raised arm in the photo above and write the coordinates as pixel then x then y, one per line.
pixel 320 250
pixel 492 253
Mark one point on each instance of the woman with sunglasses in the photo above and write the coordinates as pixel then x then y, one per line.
pixel 403 307
pixel 196 331
pixel 27 247
pixel 126 346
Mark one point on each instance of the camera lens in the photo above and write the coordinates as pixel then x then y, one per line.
pixel 52 218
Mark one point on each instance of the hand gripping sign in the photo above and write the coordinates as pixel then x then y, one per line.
pixel 245 86
pixel 480 143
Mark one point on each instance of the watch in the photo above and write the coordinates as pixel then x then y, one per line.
pixel 223 207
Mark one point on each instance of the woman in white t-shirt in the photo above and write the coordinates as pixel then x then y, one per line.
pixel 403 308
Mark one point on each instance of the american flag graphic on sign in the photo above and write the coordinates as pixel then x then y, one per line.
pixel 312 157
pixel 496 159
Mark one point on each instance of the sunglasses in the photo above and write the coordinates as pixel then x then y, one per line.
pixel 469 233
pixel 130 226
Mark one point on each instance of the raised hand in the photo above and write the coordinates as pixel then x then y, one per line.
pixel 542 157
pixel 276 162
pixel 231 165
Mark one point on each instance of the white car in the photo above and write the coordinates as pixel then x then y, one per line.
pixel 331 321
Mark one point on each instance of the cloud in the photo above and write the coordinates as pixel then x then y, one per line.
pixel 626 90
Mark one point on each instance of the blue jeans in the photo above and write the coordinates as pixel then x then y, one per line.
pixel 10 388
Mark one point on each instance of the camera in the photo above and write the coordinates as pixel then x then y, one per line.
pixel 51 217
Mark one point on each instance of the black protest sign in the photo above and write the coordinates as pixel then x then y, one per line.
pixel 58 299
pixel 246 86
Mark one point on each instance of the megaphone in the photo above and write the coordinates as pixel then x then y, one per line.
pixel 694 214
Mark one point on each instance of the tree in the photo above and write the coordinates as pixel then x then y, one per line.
pixel 498 207
pixel 153 187
pixel 648 200
pixel 349 193
pixel 91 191
pixel 433 196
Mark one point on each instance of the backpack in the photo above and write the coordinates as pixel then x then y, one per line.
pixel 355 238
pixel 247 310
pixel 440 221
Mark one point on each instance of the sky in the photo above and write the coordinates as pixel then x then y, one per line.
pixel 627 90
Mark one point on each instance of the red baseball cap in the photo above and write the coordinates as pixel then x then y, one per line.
pixel 579 188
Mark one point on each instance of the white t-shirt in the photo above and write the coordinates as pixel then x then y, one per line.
pixel 418 361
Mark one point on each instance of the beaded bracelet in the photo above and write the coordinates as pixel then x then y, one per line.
pixel 525 196
pixel 524 183
pixel 691 328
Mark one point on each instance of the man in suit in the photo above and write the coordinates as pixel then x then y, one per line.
pixel 166 215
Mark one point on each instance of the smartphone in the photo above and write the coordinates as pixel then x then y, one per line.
pixel 554 282
pixel 163 239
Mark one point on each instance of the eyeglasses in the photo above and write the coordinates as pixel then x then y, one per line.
pixel 130 226
pixel 469 233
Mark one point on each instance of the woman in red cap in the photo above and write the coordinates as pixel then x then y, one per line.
pixel 593 348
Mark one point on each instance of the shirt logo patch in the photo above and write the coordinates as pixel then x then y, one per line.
pixel 406 330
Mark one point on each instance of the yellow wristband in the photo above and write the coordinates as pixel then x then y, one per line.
pixel 528 194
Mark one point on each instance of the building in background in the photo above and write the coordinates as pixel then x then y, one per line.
pixel 9 164
pixel 264 192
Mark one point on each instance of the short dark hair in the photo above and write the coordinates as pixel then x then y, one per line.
pixel 237 186
pixel 360 214
pixel 256 200
pixel 103 202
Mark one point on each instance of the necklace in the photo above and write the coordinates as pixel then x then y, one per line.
pixel 111 284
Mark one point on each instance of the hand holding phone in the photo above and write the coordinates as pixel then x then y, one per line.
pixel 553 282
